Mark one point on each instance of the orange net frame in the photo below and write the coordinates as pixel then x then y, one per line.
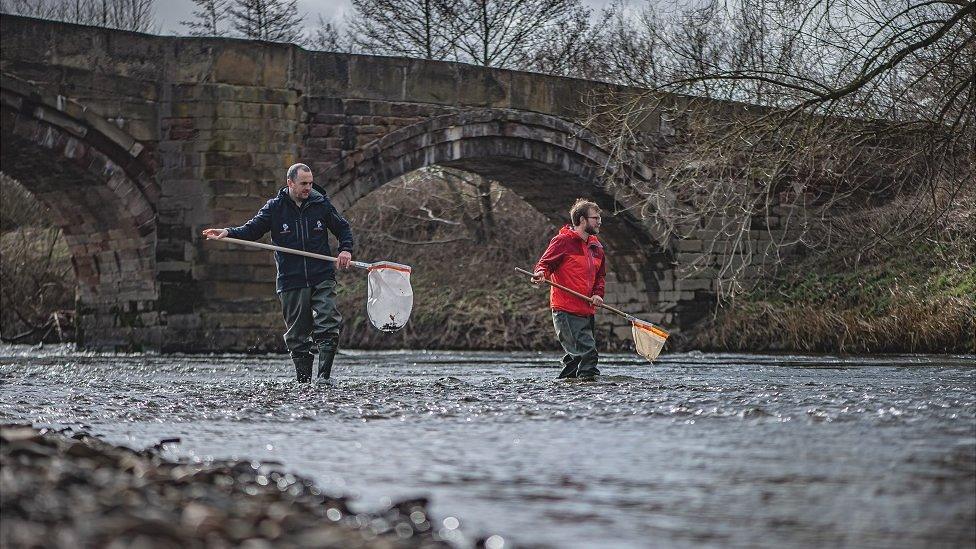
pixel 389 298
pixel 648 339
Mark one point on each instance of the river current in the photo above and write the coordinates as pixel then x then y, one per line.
pixel 696 450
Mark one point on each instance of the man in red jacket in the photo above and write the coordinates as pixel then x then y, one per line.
pixel 575 259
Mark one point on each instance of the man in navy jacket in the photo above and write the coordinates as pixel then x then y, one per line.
pixel 300 217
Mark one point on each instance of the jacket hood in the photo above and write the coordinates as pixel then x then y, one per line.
pixel 570 231
pixel 314 196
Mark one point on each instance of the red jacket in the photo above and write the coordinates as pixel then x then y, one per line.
pixel 576 264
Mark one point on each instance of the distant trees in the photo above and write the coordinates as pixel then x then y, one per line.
pixel 133 15
pixel 411 28
pixel 865 103
pixel 506 33
pixel 575 46
pixel 36 277
pixel 209 19
pixel 270 20
pixel 328 37
pixel 516 34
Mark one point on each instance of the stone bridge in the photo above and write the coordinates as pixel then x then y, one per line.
pixel 137 142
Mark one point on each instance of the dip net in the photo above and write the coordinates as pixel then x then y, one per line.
pixel 648 339
pixel 389 299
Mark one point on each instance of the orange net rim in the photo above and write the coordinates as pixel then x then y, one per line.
pixel 652 329
pixel 392 267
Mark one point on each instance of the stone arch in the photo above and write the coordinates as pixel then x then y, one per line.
pixel 547 161
pixel 96 181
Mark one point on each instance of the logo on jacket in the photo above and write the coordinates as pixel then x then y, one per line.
pixel 285 229
pixel 318 226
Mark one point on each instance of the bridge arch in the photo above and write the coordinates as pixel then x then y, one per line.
pixel 546 160
pixel 95 180
pixel 215 122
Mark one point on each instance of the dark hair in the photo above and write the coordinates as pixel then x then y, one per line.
pixel 580 209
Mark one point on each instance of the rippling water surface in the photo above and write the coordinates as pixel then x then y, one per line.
pixel 697 450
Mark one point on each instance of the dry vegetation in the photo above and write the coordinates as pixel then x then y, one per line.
pixel 902 295
pixel 37 283
pixel 466 292
pixel 852 105
pixel 859 126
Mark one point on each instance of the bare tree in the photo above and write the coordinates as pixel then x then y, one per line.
pixel 41 9
pixel 270 20
pixel 36 277
pixel 575 47
pixel 327 37
pixel 483 193
pixel 506 33
pixel 450 208
pixel 209 19
pixel 133 15
pixel 545 35
pixel 412 28
pixel 862 102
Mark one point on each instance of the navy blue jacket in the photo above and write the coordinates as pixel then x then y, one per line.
pixel 306 228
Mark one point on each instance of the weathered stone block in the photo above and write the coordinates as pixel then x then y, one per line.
pixel 668 296
pixel 695 284
pixel 687 258
pixel 430 82
pixel 371 80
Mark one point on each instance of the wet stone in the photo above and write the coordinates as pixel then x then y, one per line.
pixel 79 491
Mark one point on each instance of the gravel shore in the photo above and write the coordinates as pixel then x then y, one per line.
pixel 64 489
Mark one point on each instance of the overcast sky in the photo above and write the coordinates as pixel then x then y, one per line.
pixel 169 13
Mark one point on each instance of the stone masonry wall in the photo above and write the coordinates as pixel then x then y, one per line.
pixel 212 124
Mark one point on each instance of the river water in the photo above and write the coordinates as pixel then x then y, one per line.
pixel 697 450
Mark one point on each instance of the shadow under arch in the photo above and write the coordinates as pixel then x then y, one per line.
pixel 547 161
pixel 95 180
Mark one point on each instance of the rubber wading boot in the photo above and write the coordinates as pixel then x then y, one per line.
pixel 327 353
pixel 303 367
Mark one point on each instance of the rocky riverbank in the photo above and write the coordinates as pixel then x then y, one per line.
pixel 63 489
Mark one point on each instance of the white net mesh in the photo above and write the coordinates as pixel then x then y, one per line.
pixel 648 339
pixel 390 296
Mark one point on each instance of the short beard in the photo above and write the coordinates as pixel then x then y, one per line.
pixel 591 230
